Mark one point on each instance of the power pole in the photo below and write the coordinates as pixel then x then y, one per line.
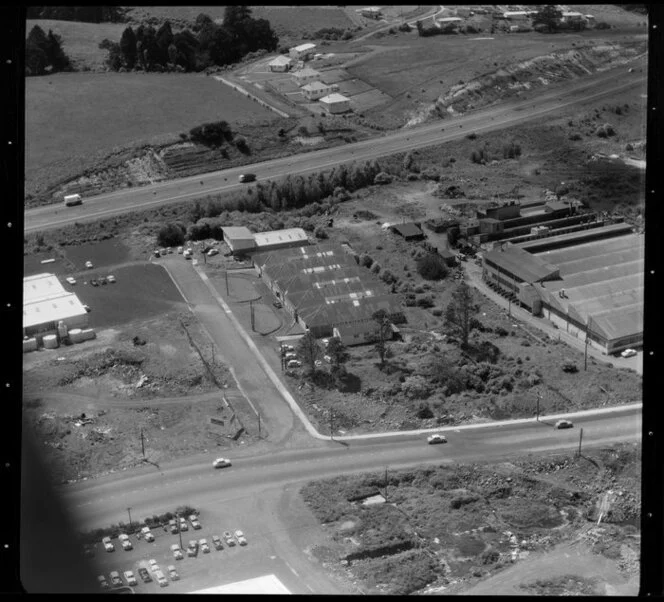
pixel 585 353
pixel 251 306
pixel 385 484
pixel 129 512
pixel 177 519
pixel 580 440
pixel 259 425
pixel 331 431
pixel 142 443
pixel 226 275
pixel 538 400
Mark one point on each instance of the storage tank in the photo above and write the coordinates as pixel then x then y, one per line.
pixel 62 329
pixel 76 335
pixel 537 307
pixel 30 345
pixel 88 334
pixel 51 341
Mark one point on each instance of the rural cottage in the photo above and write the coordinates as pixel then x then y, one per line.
pixel 335 103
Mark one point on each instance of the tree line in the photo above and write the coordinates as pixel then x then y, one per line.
pixel 206 45
pixel 44 53
pixel 87 14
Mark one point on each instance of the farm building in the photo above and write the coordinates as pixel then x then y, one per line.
pixel 238 238
pixel 47 305
pixel 593 286
pixel 448 256
pixel 508 210
pixel 302 52
pixel 280 64
pixel 335 103
pixel 371 12
pixel 279 239
pixel 572 17
pixel 316 90
pixel 410 231
pixel 305 76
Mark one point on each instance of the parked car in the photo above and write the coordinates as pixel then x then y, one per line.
pixel 187 254
pixel 290 355
pixel 154 566
pixel 328 359
pixel 628 353
pixel 177 552
pixel 221 463
pixel 144 575
pixel 108 545
pixel 563 424
pixel 241 539
pixel 172 573
pixel 102 280
pixel 89 551
pixel 124 540
pixel 212 252
pixel 436 438
pixel 205 547
pixel 161 579
pixel 71 280
pixel 115 578
pixel 325 342
pixel 94 282
pixel 216 542
pixel 88 265
pixel 156 253
pixel 183 524
pixel 110 278
pixel 193 519
pixel 293 364
pixel 147 534
pixel 180 250
pixel 173 526
pixel 228 538
pixel 192 548
pixel 102 582
pixel 247 177
pixel 129 578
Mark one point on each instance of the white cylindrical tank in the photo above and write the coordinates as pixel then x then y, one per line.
pixel 30 344
pixel 51 341
pixel 76 335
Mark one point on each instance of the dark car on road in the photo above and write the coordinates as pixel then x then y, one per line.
pixel 247 177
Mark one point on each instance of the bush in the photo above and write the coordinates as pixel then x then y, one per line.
pixel 388 277
pixel 471 136
pixel 575 136
pixel 424 411
pixel 241 145
pixel 366 261
pixel 170 235
pixel 511 150
pixel 320 233
pixel 432 267
pixel 605 130
pixel 437 312
pixel 425 301
pixel 375 268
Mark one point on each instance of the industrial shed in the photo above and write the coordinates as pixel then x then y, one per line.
pixel 302 52
pixel 279 239
pixel 506 268
pixel 239 239
pixel 47 305
pixel 410 231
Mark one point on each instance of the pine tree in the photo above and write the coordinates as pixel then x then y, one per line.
pixel 128 47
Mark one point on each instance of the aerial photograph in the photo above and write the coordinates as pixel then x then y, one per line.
pixel 334 300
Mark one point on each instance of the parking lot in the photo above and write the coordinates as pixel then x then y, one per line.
pixel 158 556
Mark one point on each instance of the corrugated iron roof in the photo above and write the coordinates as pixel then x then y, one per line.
pixel 520 263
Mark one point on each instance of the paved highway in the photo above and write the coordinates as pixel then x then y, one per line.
pixel 150 490
pixel 498 117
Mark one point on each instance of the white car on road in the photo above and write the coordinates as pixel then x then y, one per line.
pixel 436 438
pixel 71 280
pixel 563 424
pixel 628 353
pixel 221 463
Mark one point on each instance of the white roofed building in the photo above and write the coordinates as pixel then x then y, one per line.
pixel 280 64
pixel 305 76
pixel 316 90
pixel 516 15
pixel 279 239
pixel 302 52
pixel 239 239
pixel 335 103
pixel 46 303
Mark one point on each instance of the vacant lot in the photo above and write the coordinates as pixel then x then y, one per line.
pixel 447 528
pixel 71 116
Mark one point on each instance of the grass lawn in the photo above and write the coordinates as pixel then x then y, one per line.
pixel 80 41
pixel 63 111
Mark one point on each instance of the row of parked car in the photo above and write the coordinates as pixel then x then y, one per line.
pixel 202 545
pixel 186 253
pixel 144 574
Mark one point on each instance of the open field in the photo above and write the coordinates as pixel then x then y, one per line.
pixel 136 108
pixel 80 41
pixel 465 528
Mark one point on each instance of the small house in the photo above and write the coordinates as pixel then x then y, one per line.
pixel 335 103
pixel 516 15
pixel 409 231
pixel 305 76
pixel 280 64
pixel 316 90
pixel 449 22
pixel 371 12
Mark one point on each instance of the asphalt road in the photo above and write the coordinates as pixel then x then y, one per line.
pixel 150 490
pixel 503 116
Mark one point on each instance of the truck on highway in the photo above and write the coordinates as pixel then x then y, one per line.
pixel 73 199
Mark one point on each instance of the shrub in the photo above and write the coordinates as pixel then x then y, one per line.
pixel 471 136
pixel 437 312
pixel 424 411
pixel 241 145
pixel 320 233
pixel 388 277
pixel 605 130
pixel 170 235
pixel 383 178
pixel 366 261
pixel 425 301
pixel 432 267
pixel 375 268
pixel 575 136
pixel 511 150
